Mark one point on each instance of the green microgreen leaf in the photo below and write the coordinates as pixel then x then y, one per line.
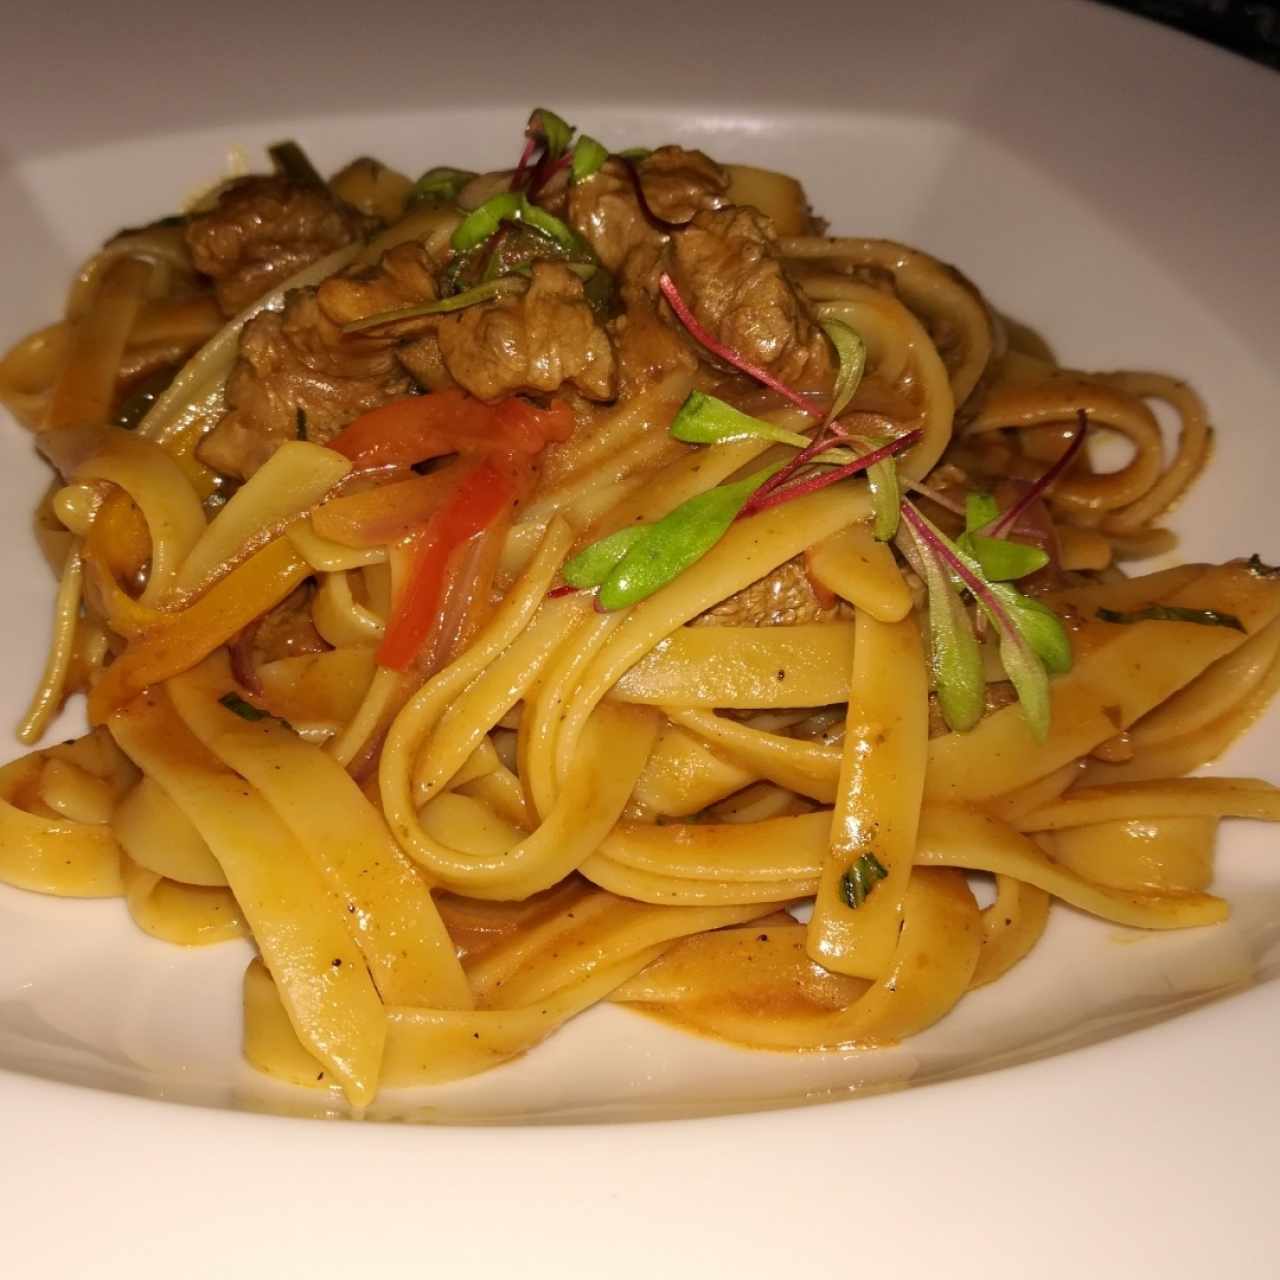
pixel 705 420
pixel 551 130
pixel 882 477
pixel 588 157
pixel 1032 640
pixel 852 354
pixel 954 654
pixel 1174 613
pixel 1001 560
pixel 886 499
pixel 590 567
pixel 484 292
pixel 980 509
pixel 863 876
pixel 483 221
pixel 440 185
pixel 678 540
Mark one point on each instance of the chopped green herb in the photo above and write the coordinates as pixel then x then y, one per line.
pixel 705 420
pixel 681 538
pixel 300 422
pixel 245 710
pixel 863 875
pixel 588 157
pixel 440 185
pixel 1173 613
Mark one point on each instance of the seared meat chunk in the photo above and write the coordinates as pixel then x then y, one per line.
pixel 403 277
pixel 725 266
pixel 263 230
pixel 538 341
pixel 677 183
pixel 604 211
pixel 783 598
pixel 296 369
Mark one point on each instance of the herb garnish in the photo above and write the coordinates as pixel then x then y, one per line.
pixel 863 876
pixel 245 710
pixel 630 565
pixel 1032 639
pixel 588 157
pixel 1173 613
pixel 1001 560
pixel 440 185
pixel 485 292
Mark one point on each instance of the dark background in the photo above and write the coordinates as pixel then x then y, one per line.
pixel 1250 27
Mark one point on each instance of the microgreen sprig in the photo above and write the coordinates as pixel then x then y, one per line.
pixel 1032 640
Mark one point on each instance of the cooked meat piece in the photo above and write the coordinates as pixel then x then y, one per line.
pixel 679 183
pixel 296 366
pixel 783 598
pixel 604 209
pixel 535 342
pixel 300 360
pixel 648 349
pixel 263 230
pixel 287 631
pixel 605 212
pixel 725 266
pixel 403 277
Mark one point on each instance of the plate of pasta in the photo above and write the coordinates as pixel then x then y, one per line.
pixel 597 615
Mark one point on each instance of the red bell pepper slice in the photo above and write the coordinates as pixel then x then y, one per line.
pixel 421 427
pixel 483 493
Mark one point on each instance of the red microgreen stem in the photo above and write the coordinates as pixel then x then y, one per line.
pixel 923 531
pixel 1003 526
pixel 544 172
pixel 766 497
pixel 718 349
pixel 654 219
pixel 522 167
pixel 558 593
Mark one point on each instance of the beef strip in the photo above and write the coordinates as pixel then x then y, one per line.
pixel 784 597
pixel 298 367
pixel 726 267
pixel 262 230
pixel 677 183
pixel 536 342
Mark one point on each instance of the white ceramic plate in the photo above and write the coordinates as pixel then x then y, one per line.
pixel 1110 182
